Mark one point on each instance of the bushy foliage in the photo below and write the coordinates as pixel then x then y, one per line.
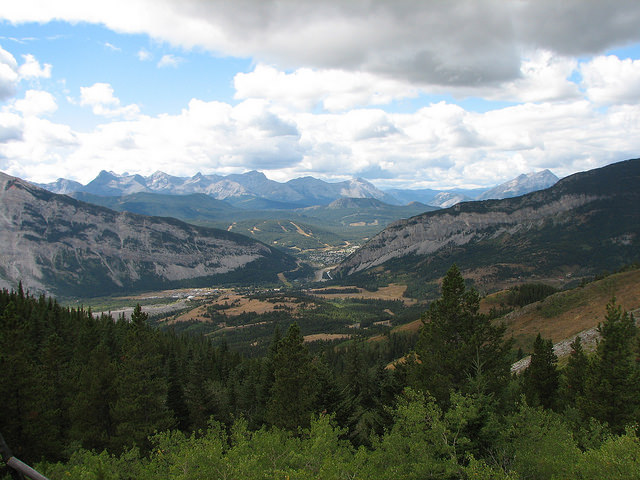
pixel 527 293
pixel 98 398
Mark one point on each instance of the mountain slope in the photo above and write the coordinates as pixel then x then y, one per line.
pixel 300 192
pixel 521 185
pixel 449 199
pixel 53 243
pixel 190 208
pixel 428 196
pixel 586 222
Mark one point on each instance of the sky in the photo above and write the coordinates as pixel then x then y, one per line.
pixel 404 93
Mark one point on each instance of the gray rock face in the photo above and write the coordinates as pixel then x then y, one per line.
pixel 590 220
pixel 449 199
pixel 431 232
pixel 522 185
pixel 301 191
pixel 55 244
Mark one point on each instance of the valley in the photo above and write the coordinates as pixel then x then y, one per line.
pixel 245 318
pixel 214 320
pixel 353 266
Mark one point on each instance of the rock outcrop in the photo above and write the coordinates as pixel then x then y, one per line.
pixel 56 244
pixel 586 219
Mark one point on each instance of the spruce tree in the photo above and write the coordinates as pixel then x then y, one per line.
pixel 612 393
pixel 575 374
pixel 175 395
pixel 295 387
pixel 459 348
pixel 92 424
pixel 541 378
pixel 141 388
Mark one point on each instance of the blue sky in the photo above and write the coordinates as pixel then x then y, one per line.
pixel 412 94
pixel 85 54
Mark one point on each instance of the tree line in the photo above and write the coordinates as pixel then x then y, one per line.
pixel 104 398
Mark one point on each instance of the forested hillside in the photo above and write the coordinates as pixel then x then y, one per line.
pixel 85 397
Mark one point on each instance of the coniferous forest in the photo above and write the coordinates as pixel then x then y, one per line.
pixel 88 397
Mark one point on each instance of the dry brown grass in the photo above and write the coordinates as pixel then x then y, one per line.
pixel 197 314
pixel 568 313
pixel 239 304
pixel 562 315
pixel 394 291
pixel 325 337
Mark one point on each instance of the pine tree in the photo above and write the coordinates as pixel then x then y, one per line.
pixel 541 378
pixel 459 348
pixel 138 317
pixel 175 395
pixel 294 390
pixel 91 418
pixel 141 388
pixel 612 393
pixel 575 374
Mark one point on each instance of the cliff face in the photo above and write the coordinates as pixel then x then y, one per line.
pixel 586 212
pixel 55 244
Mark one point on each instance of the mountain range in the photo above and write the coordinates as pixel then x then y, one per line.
pixel 346 221
pixel 521 185
pixel 586 223
pixel 253 190
pixel 299 192
pixel 53 243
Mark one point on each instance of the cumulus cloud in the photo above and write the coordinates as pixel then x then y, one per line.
pixel 8 74
pixel 467 43
pixel 36 103
pixel 305 88
pixel 544 76
pixel 100 98
pixel 441 145
pixel 31 68
pixel 169 60
pixel 350 59
pixel 610 80
pixel 9 133
pixel 11 73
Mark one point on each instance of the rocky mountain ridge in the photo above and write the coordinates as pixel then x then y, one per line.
pixel 299 192
pixel 585 220
pixel 254 188
pixel 56 244
pixel 521 185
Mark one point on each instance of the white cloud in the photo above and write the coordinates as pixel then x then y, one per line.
pixel 112 47
pixel 144 55
pixel 467 43
pixel 38 149
pixel 36 103
pixel 11 126
pixel 102 102
pixel 305 88
pixel 8 74
pixel 438 146
pixel 347 57
pixel 170 60
pixel 610 80
pixel 31 68
pixel 544 77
